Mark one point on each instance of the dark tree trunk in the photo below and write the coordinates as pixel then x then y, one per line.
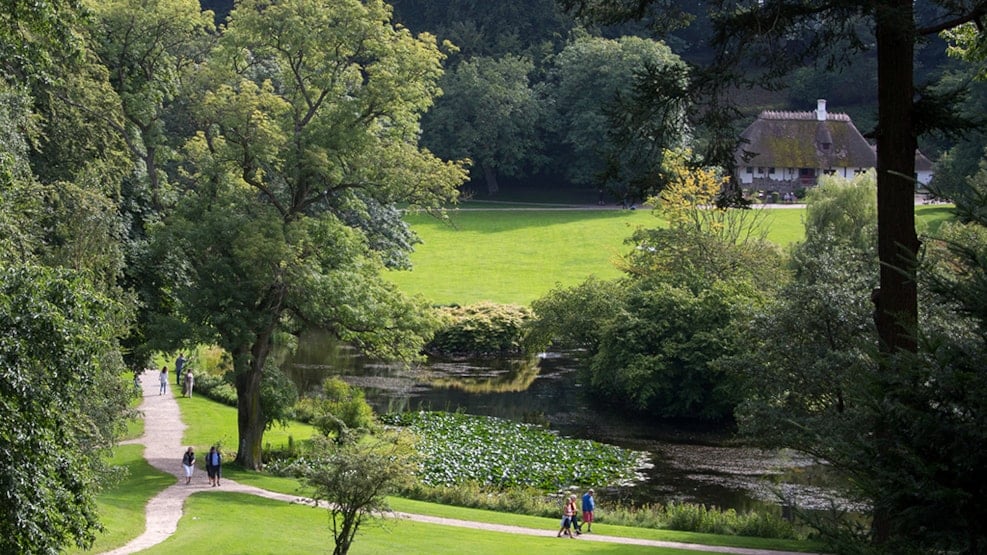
pixel 896 301
pixel 250 414
pixel 490 175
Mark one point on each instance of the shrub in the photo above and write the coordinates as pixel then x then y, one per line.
pixel 484 329
pixel 338 409
pixel 216 388
pixel 531 501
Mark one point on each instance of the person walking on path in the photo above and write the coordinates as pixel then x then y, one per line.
pixel 214 464
pixel 589 505
pixel 164 381
pixel 568 511
pixel 188 463
pixel 179 366
pixel 189 382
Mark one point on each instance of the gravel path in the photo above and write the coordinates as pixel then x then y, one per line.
pixel 162 440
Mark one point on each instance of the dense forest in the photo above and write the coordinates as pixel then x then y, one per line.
pixel 533 62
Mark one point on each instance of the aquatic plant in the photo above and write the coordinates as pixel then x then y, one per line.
pixel 458 448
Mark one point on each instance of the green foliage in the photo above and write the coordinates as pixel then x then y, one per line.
pixel 656 358
pixel 675 516
pixel 62 402
pixel 650 338
pixel 484 329
pixel 277 396
pixel 290 163
pixel 576 317
pixel 488 113
pixel 340 409
pixel 699 518
pixel 20 207
pixel 354 479
pixel 585 81
pixel 216 388
pixel 457 448
pixel 845 210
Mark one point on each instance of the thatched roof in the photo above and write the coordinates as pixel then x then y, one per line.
pixel 804 140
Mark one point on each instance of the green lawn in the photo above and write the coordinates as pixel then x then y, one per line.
pixel 262 526
pixel 209 423
pixel 514 256
pixel 517 256
pixel 121 506
pixel 503 256
pixel 211 520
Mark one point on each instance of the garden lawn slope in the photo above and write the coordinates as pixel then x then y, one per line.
pixel 517 255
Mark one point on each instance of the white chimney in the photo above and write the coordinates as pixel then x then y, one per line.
pixel 821 109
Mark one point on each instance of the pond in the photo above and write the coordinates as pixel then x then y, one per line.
pixel 690 463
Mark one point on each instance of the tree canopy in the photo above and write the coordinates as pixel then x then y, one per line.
pixel 308 122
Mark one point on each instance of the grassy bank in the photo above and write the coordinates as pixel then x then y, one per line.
pixel 233 523
pixel 517 255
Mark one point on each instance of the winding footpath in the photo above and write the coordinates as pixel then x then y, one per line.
pixel 162 441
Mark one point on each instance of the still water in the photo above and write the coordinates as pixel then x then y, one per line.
pixel 689 464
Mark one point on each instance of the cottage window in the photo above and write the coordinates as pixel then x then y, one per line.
pixel 750 169
pixel 771 171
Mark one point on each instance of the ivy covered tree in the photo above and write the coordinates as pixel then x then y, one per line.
pixel 309 127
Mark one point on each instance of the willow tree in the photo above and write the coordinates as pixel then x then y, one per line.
pixel 308 138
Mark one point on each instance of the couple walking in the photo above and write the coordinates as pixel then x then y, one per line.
pixel 570 518
pixel 214 462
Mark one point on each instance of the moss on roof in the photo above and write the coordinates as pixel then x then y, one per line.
pixel 795 140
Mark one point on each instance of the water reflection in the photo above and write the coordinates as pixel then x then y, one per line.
pixel 690 464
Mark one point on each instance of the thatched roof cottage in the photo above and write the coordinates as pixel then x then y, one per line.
pixel 783 151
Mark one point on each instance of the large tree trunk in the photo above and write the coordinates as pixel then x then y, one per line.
pixel 896 301
pixel 250 414
pixel 490 175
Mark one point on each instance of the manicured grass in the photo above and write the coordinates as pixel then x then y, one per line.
pixel 600 527
pixel 262 526
pixel 199 414
pixel 514 256
pixel 121 506
pixel 519 255
pixel 928 218
pixel 209 423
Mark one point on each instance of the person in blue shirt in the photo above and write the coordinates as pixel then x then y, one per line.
pixel 589 505
pixel 214 464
